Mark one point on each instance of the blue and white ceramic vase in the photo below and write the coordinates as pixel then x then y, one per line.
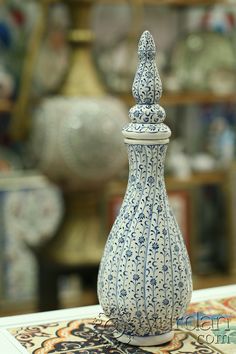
pixel 144 281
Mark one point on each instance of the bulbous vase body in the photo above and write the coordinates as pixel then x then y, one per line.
pixel 144 281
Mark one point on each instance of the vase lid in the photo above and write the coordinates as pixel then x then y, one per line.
pixel 147 115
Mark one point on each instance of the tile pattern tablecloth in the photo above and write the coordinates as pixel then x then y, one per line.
pixel 209 328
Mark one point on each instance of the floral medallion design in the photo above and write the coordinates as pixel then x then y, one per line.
pixel 210 329
pixel 84 336
pixel 144 280
pixel 95 335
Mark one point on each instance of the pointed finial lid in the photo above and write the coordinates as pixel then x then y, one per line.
pixel 147 87
pixel 147 115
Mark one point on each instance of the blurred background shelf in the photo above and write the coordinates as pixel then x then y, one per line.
pixel 197 179
pixel 187 98
pixel 5 106
pixel 172 2
pixel 168 99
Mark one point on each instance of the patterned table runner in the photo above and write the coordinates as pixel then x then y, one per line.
pixel 209 327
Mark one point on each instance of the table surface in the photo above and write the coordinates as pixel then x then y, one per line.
pixel 9 345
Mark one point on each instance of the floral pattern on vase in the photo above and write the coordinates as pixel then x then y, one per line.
pixel 144 281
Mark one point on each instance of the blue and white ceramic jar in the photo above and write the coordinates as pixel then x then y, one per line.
pixel 144 281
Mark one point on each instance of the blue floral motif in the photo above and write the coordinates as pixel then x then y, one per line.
pixel 155 246
pixel 151 179
pixel 139 185
pixel 132 178
pixel 155 316
pixel 141 239
pixel 136 113
pixel 123 292
pixel 147 114
pixel 138 149
pixel 160 130
pixel 138 314
pixel 128 253
pixel 151 275
pixel 141 216
pixel 153 281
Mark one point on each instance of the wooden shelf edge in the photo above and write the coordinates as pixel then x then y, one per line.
pixel 185 2
pixel 196 179
pixel 174 2
pixel 185 98
pixel 196 98
pixel 180 98
pixel 5 106
pixel 10 308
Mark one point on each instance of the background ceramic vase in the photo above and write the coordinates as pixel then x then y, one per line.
pixel 144 281
pixel 65 138
pixel 75 141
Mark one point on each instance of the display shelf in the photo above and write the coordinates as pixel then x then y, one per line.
pixel 179 98
pixel 212 280
pixel 5 105
pixel 8 308
pixel 171 2
pixel 188 97
pixel 196 179
pixel 185 2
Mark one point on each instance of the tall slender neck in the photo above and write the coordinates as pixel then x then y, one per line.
pixel 82 78
pixel 146 160
pixel 80 13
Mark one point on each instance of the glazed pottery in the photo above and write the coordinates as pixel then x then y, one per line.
pixel 77 140
pixel 144 281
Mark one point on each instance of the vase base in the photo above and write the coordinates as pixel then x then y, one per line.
pixel 145 341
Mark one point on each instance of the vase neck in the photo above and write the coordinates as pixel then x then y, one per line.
pixel 146 162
